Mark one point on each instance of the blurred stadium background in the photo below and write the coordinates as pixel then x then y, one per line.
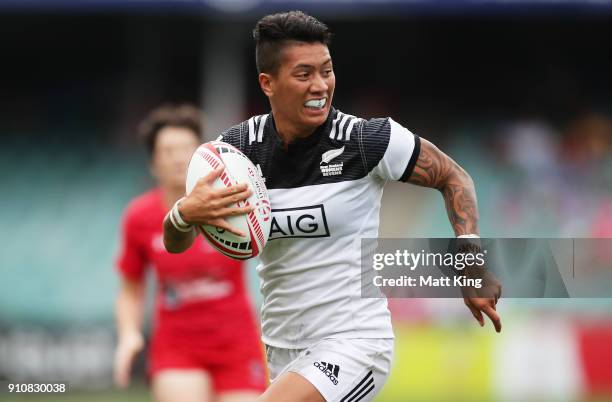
pixel 519 92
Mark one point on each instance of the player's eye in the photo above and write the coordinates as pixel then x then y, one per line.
pixel 302 76
pixel 327 72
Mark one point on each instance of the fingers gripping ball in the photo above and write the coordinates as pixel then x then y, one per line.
pixel 238 169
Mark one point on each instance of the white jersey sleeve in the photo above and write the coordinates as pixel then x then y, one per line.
pixel 389 149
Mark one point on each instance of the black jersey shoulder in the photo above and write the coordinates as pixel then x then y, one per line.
pixel 244 135
pixel 344 148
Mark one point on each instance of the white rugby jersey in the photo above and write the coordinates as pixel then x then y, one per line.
pixel 325 193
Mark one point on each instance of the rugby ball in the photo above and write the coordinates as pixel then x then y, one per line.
pixel 238 169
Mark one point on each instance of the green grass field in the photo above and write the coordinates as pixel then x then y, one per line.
pixel 141 394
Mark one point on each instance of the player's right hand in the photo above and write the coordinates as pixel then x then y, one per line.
pixel 127 349
pixel 208 206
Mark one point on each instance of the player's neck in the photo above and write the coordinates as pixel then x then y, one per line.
pixel 289 132
pixel 170 195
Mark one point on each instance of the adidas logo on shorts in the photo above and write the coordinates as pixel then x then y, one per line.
pixel 330 370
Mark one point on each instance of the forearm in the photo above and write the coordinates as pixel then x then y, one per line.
pixel 176 241
pixel 461 204
pixel 129 308
pixel 437 170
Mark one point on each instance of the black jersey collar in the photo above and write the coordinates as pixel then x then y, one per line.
pixel 306 142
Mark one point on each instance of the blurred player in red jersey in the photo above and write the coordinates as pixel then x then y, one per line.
pixel 205 344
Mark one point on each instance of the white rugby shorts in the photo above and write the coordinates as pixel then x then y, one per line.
pixel 343 370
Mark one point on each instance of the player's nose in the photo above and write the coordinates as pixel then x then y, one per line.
pixel 319 84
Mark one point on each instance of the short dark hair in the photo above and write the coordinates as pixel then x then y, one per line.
pixel 274 31
pixel 183 115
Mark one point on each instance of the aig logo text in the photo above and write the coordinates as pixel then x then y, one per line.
pixel 299 222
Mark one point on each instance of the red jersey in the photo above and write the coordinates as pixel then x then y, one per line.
pixel 199 291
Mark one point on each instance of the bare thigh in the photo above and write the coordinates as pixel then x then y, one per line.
pixel 291 387
pixel 182 385
pixel 237 396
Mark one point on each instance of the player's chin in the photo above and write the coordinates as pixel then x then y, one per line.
pixel 314 117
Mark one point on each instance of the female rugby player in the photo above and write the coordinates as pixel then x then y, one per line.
pixel 205 344
pixel 325 171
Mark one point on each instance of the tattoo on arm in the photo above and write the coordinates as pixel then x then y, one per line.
pixel 436 170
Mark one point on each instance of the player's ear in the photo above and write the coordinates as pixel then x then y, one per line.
pixel 153 168
pixel 265 82
pixel 153 171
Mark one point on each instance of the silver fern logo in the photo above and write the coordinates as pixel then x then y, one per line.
pixel 329 155
pixel 333 169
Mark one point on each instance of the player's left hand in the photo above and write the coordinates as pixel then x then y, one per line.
pixel 484 300
pixel 479 305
